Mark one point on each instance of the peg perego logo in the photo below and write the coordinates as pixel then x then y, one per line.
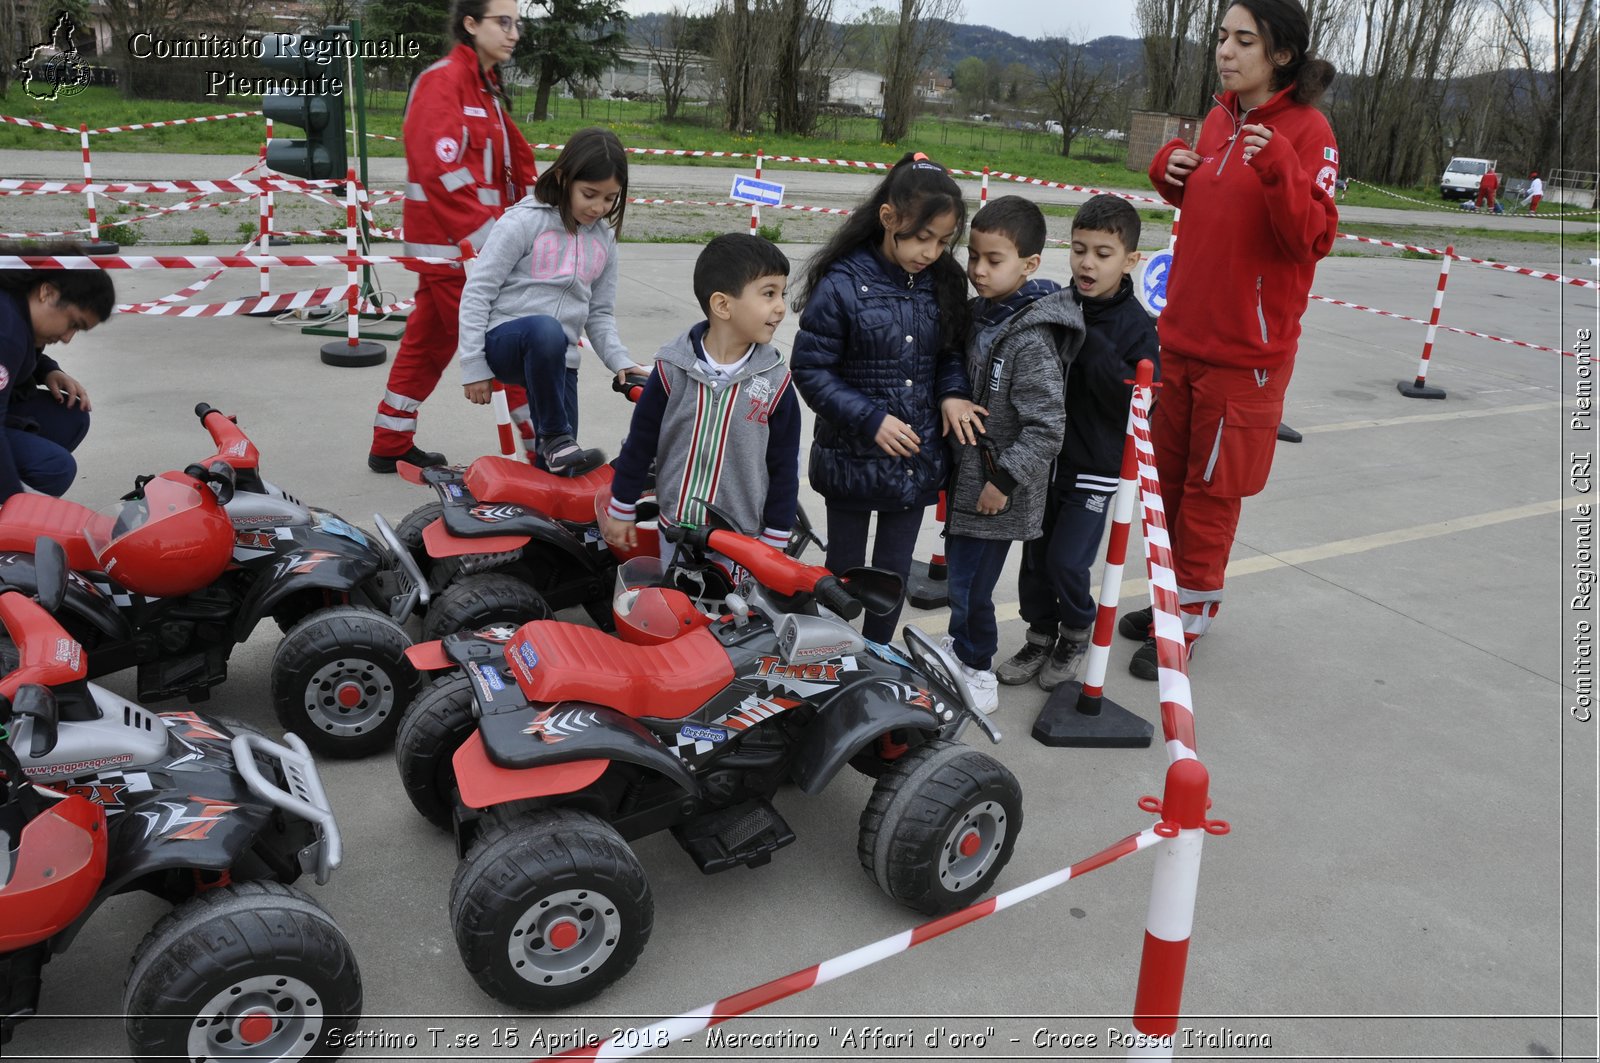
pixel 703 734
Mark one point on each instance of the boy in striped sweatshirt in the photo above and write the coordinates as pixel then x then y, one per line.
pixel 718 415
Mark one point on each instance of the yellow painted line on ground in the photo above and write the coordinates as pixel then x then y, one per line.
pixel 1247 566
pixel 1423 418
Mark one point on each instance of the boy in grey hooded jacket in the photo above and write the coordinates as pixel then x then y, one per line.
pixel 1024 335
pixel 718 415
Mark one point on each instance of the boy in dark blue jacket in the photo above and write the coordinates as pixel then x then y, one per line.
pixel 1053 584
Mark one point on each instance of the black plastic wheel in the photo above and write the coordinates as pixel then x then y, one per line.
pixel 473 602
pixel 409 530
pixel 549 909
pixel 341 681
pixel 940 826
pixel 431 732
pixel 252 970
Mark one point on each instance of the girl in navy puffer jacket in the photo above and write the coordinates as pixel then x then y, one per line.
pixel 879 358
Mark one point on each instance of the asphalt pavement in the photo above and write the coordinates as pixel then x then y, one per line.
pixel 1384 707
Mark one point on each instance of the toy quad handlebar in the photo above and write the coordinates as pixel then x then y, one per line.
pixel 218 474
pixel 631 387
pixel 233 446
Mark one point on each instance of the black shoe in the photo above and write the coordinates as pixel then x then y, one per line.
pixel 1066 660
pixel 563 457
pixel 1136 625
pixel 416 456
pixel 1144 663
pixel 1026 662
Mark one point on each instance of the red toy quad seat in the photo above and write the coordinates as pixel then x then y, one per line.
pixel 569 498
pixel 25 517
pixel 554 661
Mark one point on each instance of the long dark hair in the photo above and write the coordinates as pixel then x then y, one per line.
pixel 919 190
pixel 90 290
pixel 592 154
pixel 1284 26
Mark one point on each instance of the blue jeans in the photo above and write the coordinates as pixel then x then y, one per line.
pixel 975 566
pixel 43 450
pixel 531 352
pixel 847 549
pixel 1053 584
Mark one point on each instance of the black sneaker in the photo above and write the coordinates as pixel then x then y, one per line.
pixel 1066 660
pixel 416 456
pixel 1144 663
pixel 563 457
pixel 1136 625
pixel 1026 662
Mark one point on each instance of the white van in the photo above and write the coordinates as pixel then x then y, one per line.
pixel 1460 179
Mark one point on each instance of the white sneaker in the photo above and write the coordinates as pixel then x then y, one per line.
pixel 984 686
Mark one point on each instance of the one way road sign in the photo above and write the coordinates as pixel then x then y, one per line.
pixel 750 190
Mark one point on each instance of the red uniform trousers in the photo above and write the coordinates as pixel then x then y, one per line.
pixel 1214 429
pixel 426 350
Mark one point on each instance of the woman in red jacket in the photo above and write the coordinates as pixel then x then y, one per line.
pixel 466 162
pixel 1258 212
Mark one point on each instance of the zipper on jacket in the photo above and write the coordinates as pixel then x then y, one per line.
pixel 1261 313
pixel 1216 450
pixel 1238 127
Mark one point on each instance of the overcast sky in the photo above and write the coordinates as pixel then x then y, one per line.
pixel 1025 18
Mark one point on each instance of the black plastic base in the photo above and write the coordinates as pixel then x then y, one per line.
pixel 1287 434
pixel 99 247
pixel 1412 390
pixel 1062 722
pixel 928 587
pixel 363 354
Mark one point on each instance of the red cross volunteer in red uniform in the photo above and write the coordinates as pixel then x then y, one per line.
pixel 466 161
pixel 1258 212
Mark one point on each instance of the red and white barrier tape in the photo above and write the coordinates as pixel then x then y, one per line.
pixel 249 305
pixel 723 203
pixel 1172 669
pixel 212 261
pixel 627 1044
pixel 1446 328
pixel 1487 263
pixel 8 119
pixel 1443 206
pixel 12 186
pixel 175 121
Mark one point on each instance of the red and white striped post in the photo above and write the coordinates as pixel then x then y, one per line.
pixel 1170 921
pixel 929 585
pixel 502 421
pixel 983 189
pixel 96 245
pixel 1078 713
pixel 1418 388
pixel 353 351
pixel 264 218
pixel 755 208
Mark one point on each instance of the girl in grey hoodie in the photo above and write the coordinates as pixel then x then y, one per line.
pixel 547 275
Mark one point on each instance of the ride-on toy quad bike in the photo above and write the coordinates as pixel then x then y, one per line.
pixel 507 542
pixel 551 745
pixel 100 797
pixel 180 572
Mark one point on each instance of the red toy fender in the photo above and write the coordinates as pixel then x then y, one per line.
pixel 428 656
pixel 484 784
pixel 440 543
pixel 60 865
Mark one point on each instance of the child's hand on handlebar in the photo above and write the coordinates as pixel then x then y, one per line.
pixel 620 534
pixel 632 374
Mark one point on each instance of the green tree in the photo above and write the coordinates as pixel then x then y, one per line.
pixel 424 21
pixel 575 43
pixel 970 81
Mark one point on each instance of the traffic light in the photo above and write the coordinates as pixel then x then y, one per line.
pixel 310 96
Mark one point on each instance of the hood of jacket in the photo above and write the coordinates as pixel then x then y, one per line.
pixel 683 352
